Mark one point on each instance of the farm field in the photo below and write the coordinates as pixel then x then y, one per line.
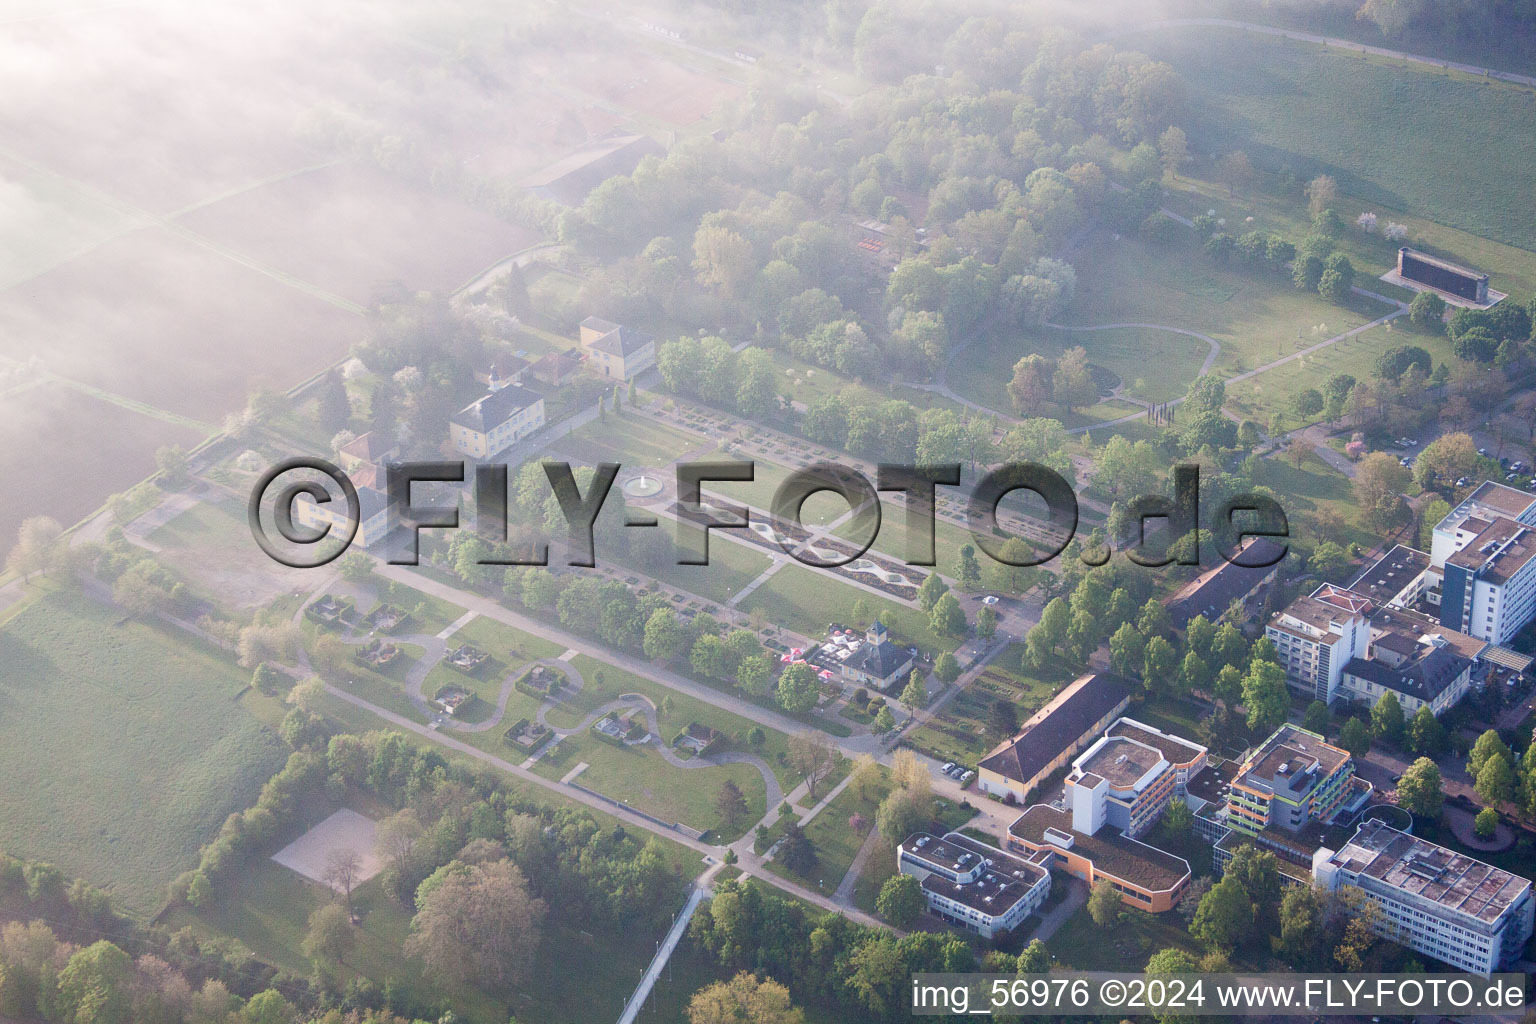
pixel 348 229
pixel 145 751
pixel 96 448
pixel 45 220
pixel 159 319
pixel 1323 111
pixel 654 89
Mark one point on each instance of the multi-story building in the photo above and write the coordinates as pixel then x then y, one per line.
pixel 1146 878
pixel 1126 778
pixel 1290 780
pixel 373 522
pixel 1316 636
pixel 1433 900
pixel 1238 581
pixel 1415 658
pixel 971 884
pixel 491 424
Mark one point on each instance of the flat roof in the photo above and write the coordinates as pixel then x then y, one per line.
pixel 1121 761
pixel 1212 782
pixel 1295 750
pixel 1126 859
pixel 1176 749
pixel 1444 264
pixel 1386 577
pixel 1489 500
pixel 1456 882
pixel 1498 552
pixel 1006 880
pixel 1059 727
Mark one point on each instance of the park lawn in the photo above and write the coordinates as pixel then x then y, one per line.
pixel 802 599
pixel 1314 486
pixel 386 688
pixel 835 842
pixel 429 615
pixel 512 646
pixel 684 709
pixel 1128 944
pixel 632 441
pixel 1257 317
pixel 641 778
pixel 1321 110
pixel 732 565
pixel 129 740
pixel 1264 394
pixel 267 908
pixel 1153 365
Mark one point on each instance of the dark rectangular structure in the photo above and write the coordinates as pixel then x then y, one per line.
pixel 1438 273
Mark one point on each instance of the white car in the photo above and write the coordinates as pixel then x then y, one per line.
pixel 989 599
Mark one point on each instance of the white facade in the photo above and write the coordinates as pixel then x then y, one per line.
pixel 1432 900
pixel 971 884
pixel 1316 638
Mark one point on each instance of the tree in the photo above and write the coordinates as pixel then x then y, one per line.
pixel 1387 718
pixel 731 804
pixel 1447 459
pixel 1427 310
pixel 1316 719
pixel 1159 665
pixel 1320 191
pixel 986 622
pixel 1496 782
pixel 94 987
pixel 1265 696
pixel 743 1000
pixel 1179 820
pixel 947 617
pixel 915 696
pixel 1355 738
pixel 1224 916
pixel 901 900
pixel 1166 962
pixel 38 545
pixel 329 938
pixel 1302 912
pixel 1235 171
pixel 813 757
pixel 797 852
pixel 884 721
pixel 1488 746
pixel 479 925
pixel 333 409
pixel 1418 791
pixel 1476 345
pixel 343 870
pixel 1031 385
pixel 797 688
pixel 1307 272
pixel 1379 485
pixel 1002 718
pixel 933 587
pixel 1127 650
pixel 1425 733
pixel 396 837
pixel 1072 384
pixel 268 1007
pixel 1104 903
pixel 171 460
pixel 902 813
pixel 946 667
pixel 1035 959
pixel 1173 149
pixel 1307 403
pixel 1396 361
pixel 1486 824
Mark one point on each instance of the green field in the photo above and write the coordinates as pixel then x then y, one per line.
pixel 123 746
pixel 960 733
pixel 731 566
pixel 807 601
pixel 1364 121
pixel 1084 946
pixel 1153 365
pixel 632 441
pixel 267 908
pixel 836 844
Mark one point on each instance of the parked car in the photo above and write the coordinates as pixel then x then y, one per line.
pixel 989 599
pixel 949 766
pixel 1483 452
pixel 1463 482
pixel 967 777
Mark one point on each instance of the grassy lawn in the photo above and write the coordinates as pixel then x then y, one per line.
pixel 131 746
pixel 268 908
pixel 836 843
pixel 1322 110
pixel 429 615
pixel 640 777
pixel 684 709
pixel 805 600
pixel 1153 365
pixel 631 441
pixel 1264 394
pixel 1084 946
pixel 731 567
pixel 1256 317
pixel 1315 486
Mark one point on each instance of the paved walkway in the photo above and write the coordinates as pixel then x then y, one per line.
pixel 696 895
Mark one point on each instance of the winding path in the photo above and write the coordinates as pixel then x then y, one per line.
pixel 1210 356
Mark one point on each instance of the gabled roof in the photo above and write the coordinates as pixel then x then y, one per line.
pixel 369 447
pixel 1089 700
pixel 487 413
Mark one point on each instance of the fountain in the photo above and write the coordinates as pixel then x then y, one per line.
pixel 642 486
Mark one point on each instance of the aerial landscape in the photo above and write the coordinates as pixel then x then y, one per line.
pixel 707 513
